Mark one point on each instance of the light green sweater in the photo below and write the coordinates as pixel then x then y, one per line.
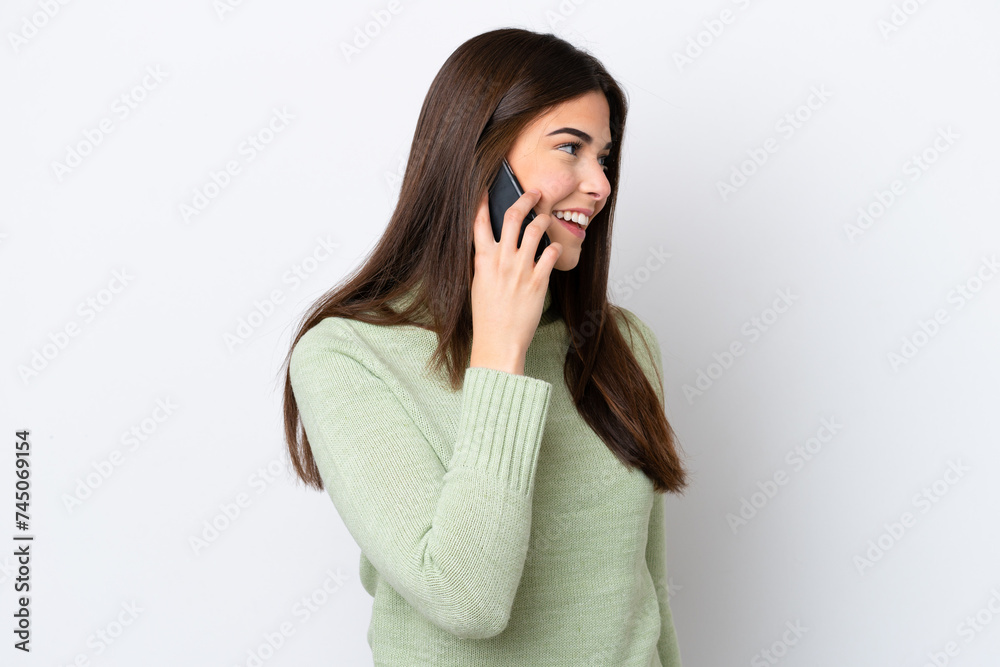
pixel 495 527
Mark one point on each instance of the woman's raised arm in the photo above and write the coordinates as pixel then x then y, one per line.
pixel 451 539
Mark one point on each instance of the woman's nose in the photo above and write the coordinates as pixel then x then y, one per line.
pixel 595 182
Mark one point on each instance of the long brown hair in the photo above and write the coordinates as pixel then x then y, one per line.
pixel 489 89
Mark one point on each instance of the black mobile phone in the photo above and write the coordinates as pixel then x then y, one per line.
pixel 503 193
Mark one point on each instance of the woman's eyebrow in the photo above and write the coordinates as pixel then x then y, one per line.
pixel 587 139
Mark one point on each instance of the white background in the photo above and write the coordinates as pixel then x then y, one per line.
pixel 330 176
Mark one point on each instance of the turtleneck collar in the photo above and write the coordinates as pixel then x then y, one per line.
pixel 404 299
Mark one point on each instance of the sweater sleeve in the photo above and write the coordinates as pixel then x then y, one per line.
pixel 656 554
pixel 656 559
pixel 451 538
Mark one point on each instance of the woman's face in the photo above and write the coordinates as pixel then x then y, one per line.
pixel 569 177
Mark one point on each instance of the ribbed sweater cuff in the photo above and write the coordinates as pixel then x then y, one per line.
pixel 501 426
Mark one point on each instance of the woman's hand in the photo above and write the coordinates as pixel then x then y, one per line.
pixel 508 286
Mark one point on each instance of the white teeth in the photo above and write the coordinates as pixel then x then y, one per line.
pixel 579 218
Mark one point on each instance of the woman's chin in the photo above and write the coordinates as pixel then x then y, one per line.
pixel 567 261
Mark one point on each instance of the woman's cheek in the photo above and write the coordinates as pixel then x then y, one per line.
pixel 564 182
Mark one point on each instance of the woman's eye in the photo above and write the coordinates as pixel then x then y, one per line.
pixel 576 145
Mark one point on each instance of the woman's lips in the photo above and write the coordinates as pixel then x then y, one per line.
pixel 573 227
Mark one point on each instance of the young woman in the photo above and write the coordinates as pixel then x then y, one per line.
pixel 491 429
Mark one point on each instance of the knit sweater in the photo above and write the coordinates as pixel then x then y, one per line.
pixel 496 528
